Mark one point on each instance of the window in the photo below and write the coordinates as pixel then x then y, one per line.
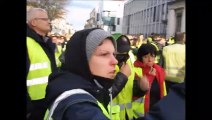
pixel 113 28
pixel 154 14
pixel 97 16
pixel 118 21
pixel 178 22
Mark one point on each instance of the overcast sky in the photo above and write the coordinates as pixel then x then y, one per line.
pixel 79 11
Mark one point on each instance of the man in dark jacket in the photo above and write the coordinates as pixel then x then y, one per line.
pixel 171 107
pixel 40 61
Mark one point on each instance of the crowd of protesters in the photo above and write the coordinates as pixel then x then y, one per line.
pixel 96 75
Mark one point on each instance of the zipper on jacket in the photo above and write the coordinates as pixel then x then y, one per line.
pixel 111 98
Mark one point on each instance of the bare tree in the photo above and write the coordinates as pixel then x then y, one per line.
pixel 55 8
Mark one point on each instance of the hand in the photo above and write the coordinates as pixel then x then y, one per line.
pixel 152 71
pixel 144 83
pixel 125 69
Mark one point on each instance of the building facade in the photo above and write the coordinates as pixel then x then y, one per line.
pixel 151 16
pixel 176 17
pixel 108 15
pixel 62 27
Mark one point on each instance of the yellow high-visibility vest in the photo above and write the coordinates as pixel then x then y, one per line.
pixel 122 103
pixel 39 70
pixel 174 59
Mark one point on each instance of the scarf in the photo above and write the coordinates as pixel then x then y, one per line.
pixel 160 77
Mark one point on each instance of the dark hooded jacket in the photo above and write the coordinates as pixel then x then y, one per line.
pixel 76 74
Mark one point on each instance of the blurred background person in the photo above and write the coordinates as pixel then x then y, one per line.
pixel 155 75
pixel 174 60
pixel 124 98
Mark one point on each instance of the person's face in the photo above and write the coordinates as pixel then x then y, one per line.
pixel 42 22
pixel 162 41
pixel 61 40
pixel 54 39
pixel 102 62
pixel 148 59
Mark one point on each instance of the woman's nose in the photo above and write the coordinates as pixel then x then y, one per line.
pixel 115 61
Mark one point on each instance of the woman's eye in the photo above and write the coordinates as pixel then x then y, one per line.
pixel 145 57
pixel 104 54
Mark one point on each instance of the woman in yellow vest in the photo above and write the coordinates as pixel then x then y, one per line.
pixel 155 75
pixel 82 90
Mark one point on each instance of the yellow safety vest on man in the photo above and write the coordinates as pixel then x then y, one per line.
pixel 39 70
pixel 174 59
pixel 122 103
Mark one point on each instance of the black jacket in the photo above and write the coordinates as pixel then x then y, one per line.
pixel 171 107
pixel 76 74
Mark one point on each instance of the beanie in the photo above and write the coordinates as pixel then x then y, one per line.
pixel 94 38
pixel 122 42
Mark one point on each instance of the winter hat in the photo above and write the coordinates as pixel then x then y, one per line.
pixel 123 42
pixel 94 38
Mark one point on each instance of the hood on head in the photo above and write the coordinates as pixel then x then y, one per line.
pixel 79 49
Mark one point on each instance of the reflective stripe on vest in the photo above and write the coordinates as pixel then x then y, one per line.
pixel 138 107
pixel 68 93
pixel 175 74
pixel 40 68
pixel 37 81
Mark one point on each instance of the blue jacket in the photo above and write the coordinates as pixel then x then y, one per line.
pixel 171 107
pixel 80 111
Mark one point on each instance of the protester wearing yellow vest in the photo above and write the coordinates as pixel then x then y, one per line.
pixel 90 69
pixel 124 98
pixel 58 49
pixel 171 40
pixel 40 61
pixel 174 61
pixel 58 52
pixel 155 76
pixel 156 42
